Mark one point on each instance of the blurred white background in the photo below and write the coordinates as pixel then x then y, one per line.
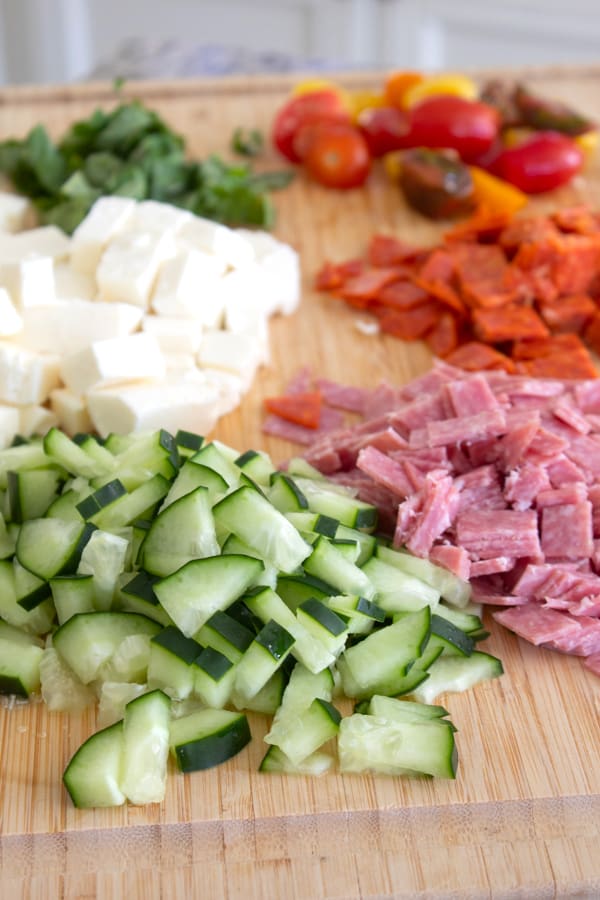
pixel 52 41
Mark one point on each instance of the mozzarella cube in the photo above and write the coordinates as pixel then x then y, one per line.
pixel 180 364
pixel 9 425
pixel 36 419
pixel 230 388
pixel 111 361
pixel 174 335
pixel 71 411
pixel 232 248
pixel 244 318
pixel 186 283
pixel 69 326
pixel 45 241
pixel 130 264
pixel 173 404
pixel 107 217
pixel 29 281
pixel 235 353
pixel 10 321
pixel 152 215
pixel 280 265
pixel 14 211
pixel 73 285
pixel 26 377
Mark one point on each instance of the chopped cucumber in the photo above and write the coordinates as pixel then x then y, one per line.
pixel 208 737
pixel 93 775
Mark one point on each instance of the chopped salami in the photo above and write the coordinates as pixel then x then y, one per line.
pixel 488 533
pixel 455 559
pixel 385 471
pixel 537 624
pixel 567 530
pixel 342 396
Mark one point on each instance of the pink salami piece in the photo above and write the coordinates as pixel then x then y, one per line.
pixel 481 488
pixel 486 534
pixel 299 434
pixel 439 507
pixel 570 415
pixel 537 624
pixel 468 428
pixel 385 471
pixel 587 396
pixel 455 559
pixel 352 399
pixel 471 396
pixel 491 566
pixel 523 485
pixel 567 530
pixel 573 492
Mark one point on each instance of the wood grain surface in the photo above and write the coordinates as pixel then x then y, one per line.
pixel 522 818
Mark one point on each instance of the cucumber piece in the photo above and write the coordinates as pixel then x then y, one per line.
pixel 213 456
pixel 213 678
pixel 208 737
pixel 367 542
pixel 93 775
pixel 323 624
pixel 451 639
pixel 404 710
pixel 301 733
pixel 360 614
pixel 201 587
pixel 454 590
pixel 87 641
pixel 62 450
pixel 188 442
pixel 30 590
pixel 30 493
pixel 146 748
pixel 8 538
pixel 227 635
pixel 302 689
pixel 113 698
pixel 264 656
pixel 129 662
pixel 21 457
pixel 36 621
pixel 19 666
pixel 347 547
pixel 285 495
pixel 194 475
pixel 328 563
pixel 275 761
pixel 267 605
pixel 185 530
pixel 251 517
pixel 295 589
pixel 146 455
pixel 374 744
pixel 101 498
pixel 397 591
pixel 234 545
pixel 314 522
pixel 467 621
pixel 268 699
pixel 257 465
pixel 338 502
pixel 457 673
pixel 136 594
pixel 61 689
pixel 104 557
pixel 49 547
pixel 132 505
pixel 65 505
pixel 298 466
pixel 378 662
pixel 171 658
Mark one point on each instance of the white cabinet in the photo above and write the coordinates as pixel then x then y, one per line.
pixel 63 40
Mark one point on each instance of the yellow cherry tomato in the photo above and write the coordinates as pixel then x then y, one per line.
pixel 310 85
pixel 458 85
pixel 588 142
pixel 359 100
pixel 495 195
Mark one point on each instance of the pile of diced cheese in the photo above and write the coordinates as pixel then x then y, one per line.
pixel 147 317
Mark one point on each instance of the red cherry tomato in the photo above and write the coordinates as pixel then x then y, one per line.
pixel 385 128
pixel 338 157
pixel 447 121
pixel 314 106
pixel 541 163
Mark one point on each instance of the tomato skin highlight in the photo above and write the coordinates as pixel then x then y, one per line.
pixel 301 109
pixel 542 163
pixel 448 121
pixel 338 157
pixel 385 129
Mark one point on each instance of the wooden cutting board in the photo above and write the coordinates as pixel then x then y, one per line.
pixel 522 817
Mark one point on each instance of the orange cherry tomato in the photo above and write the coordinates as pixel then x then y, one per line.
pixel 337 156
pixel 397 84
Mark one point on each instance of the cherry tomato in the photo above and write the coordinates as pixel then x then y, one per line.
pixel 385 128
pixel 312 106
pixel 338 156
pixel 448 121
pixel 541 163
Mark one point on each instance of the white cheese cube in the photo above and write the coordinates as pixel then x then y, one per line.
pixel 173 334
pixel 26 377
pixel 29 281
pixel 73 285
pixel 111 361
pixel 10 321
pixel 245 318
pixel 35 419
pixel 130 264
pixel 230 388
pixel 71 411
pixel 180 364
pixel 69 326
pixel 280 264
pixel 235 353
pixel 211 237
pixel 191 405
pixel 45 241
pixel 152 215
pixel 107 217
pixel 9 425
pixel 14 211
pixel 186 283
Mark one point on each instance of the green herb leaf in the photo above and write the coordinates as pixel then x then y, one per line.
pixel 247 143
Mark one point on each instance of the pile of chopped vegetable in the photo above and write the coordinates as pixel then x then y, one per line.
pixel 131 152
pixel 516 293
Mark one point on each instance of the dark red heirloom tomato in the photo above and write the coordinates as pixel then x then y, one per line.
pixel 541 163
pixel 337 156
pixel 299 110
pixel 385 128
pixel 446 121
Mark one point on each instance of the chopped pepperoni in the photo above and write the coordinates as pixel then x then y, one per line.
pixel 388 250
pixel 300 408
